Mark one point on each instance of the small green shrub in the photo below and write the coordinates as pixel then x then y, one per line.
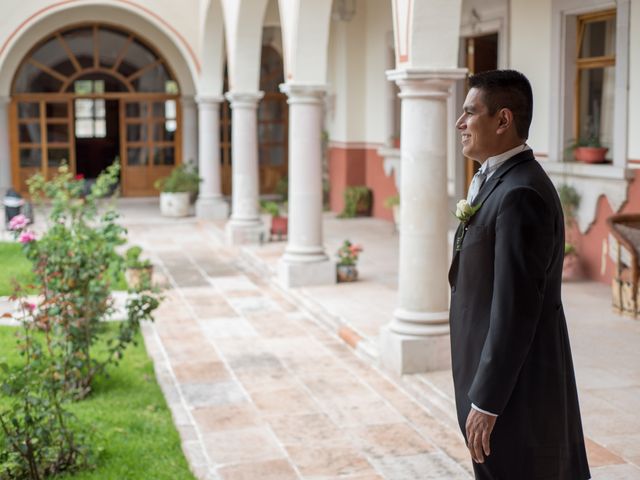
pixel 183 178
pixel 357 201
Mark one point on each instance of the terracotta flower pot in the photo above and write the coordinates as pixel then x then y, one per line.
pixel 590 154
pixel 347 273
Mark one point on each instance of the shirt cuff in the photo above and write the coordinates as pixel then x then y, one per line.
pixel 475 407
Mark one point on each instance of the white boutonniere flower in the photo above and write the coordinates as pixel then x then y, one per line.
pixel 464 212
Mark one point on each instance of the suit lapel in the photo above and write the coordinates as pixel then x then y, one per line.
pixel 486 190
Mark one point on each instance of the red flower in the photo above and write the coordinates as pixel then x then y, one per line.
pixel 80 176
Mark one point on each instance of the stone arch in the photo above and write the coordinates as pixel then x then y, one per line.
pixel 212 48
pixel 178 53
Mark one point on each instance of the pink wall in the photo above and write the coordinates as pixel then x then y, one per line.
pixel 359 166
pixel 590 244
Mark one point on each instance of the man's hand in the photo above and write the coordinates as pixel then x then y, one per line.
pixel 479 427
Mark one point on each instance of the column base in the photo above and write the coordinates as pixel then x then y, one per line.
pixel 212 208
pixel 300 274
pixel 404 354
pixel 245 233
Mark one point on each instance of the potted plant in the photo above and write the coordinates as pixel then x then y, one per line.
pixel 393 203
pixel 570 201
pixel 589 150
pixel 357 202
pixel 138 273
pixel 279 223
pixel 347 260
pixel 176 189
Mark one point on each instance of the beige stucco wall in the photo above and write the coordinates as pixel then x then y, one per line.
pixel 634 82
pixel 530 52
pixel 356 106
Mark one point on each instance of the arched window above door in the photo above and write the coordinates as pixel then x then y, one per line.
pixel 88 52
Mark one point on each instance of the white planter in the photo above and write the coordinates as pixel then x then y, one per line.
pixel 174 204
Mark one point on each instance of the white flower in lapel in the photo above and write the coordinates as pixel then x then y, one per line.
pixel 464 210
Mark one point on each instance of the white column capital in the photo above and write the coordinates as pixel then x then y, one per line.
pixel 304 93
pixel 188 101
pixel 207 99
pixel 244 99
pixel 425 82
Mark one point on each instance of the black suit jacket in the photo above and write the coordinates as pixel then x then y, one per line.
pixel 509 342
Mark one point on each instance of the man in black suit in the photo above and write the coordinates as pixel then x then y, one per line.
pixel 515 389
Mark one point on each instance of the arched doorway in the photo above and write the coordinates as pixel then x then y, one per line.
pixel 273 126
pixel 89 94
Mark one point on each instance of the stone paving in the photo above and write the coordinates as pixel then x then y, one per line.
pixel 271 384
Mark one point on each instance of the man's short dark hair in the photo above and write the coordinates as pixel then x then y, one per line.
pixel 507 89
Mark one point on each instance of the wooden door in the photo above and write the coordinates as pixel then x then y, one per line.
pixel 482 55
pixel 150 134
pixel 42 136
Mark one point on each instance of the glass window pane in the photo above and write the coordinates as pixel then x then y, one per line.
pixel 111 44
pixel 57 110
pixel 30 157
pixel 136 156
pixel 28 110
pixel 98 86
pixel 57 132
pixel 170 109
pixel 597 87
pixel 136 132
pixel 171 86
pixel 29 133
pixel 80 41
pixel 100 128
pixel 57 156
pixel 158 109
pixel 152 80
pixel 84 108
pixel 51 54
pixel 163 156
pixel 83 87
pixel 32 79
pixel 137 56
pixel 98 106
pixel 136 110
pixel 599 39
pixel 84 128
pixel 161 133
pixel 273 156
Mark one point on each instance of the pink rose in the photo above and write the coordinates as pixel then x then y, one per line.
pixel 30 306
pixel 27 237
pixel 18 222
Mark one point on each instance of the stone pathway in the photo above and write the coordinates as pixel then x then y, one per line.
pixel 259 390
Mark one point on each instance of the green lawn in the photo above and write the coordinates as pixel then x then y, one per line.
pixel 130 419
pixel 14 265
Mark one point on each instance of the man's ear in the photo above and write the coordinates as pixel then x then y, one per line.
pixel 505 120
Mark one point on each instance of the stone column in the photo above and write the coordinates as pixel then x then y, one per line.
pixel 189 130
pixel 210 203
pixel 305 261
pixel 417 339
pixel 5 151
pixel 245 225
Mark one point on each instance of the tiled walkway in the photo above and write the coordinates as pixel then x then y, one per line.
pixel 260 391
